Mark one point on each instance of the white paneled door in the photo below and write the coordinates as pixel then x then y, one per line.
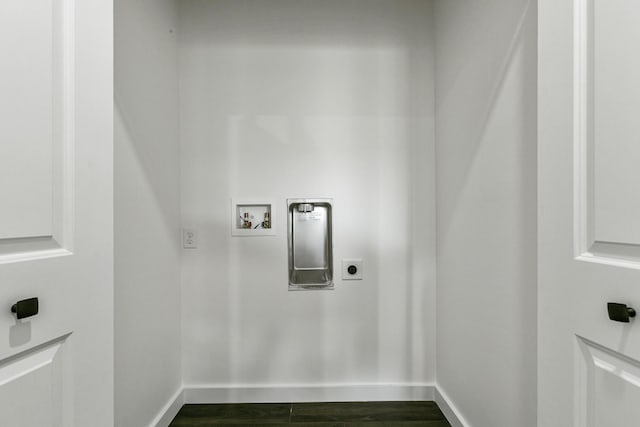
pixel 56 204
pixel 589 213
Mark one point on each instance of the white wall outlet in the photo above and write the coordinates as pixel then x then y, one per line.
pixel 189 238
pixel 352 269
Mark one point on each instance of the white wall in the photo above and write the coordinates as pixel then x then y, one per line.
pixel 486 199
pixel 301 98
pixel 147 211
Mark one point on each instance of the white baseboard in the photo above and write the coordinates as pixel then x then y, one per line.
pixel 307 393
pixel 170 410
pixel 449 410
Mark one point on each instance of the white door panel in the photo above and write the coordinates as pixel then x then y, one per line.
pixel 610 386
pixel 26 128
pixel 41 371
pixel 37 130
pixel 56 204
pixel 589 211
pixel 606 136
pixel 611 32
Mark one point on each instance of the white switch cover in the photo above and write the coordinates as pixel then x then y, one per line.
pixel 189 238
pixel 352 269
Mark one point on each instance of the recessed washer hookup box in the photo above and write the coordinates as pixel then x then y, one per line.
pixel 310 244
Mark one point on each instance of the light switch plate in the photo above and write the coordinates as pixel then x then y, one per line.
pixel 189 238
pixel 352 269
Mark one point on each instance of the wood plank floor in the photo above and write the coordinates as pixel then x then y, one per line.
pixel 342 414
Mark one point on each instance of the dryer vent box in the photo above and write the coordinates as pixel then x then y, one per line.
pixel 310 244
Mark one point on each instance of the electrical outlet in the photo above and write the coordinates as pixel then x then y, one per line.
pixel 352 269
pixel 189 239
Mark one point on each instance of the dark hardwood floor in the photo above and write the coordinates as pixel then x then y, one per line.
pixel 342 414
